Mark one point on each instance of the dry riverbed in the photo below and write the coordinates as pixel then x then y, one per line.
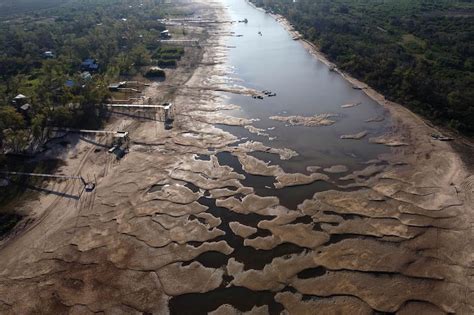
pixel 172 228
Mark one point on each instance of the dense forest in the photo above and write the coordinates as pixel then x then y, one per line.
pixel 9 8
pixel 416 52
pixel 43 54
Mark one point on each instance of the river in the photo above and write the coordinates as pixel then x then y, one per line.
pixel 304 86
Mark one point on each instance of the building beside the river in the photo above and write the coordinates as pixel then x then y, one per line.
pixel 165 34
pixel 89 65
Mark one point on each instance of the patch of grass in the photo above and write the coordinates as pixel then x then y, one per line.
pixel 413 44
pixel 168 56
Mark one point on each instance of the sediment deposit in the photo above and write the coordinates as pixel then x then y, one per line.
pixel 172 226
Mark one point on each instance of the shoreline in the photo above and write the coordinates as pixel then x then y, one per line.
pixel 378 97
pixel 462 145
pixel 135 244
pixel 421 162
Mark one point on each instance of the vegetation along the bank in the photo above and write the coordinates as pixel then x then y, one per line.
pixel 59 60
pixel 417 52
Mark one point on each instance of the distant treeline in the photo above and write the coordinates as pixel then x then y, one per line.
pixel 9 8
pixel 416 52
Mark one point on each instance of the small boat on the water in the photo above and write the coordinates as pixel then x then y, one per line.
pixel 268 93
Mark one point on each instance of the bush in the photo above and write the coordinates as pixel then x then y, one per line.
pixel 155 72
pixel 167 63
pixel 169 53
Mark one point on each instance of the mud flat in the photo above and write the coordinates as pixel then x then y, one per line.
pixel 355 136
pixel 336 169
pixel 307 121
pixel 121 248
pixel 350 105
pixel 175 228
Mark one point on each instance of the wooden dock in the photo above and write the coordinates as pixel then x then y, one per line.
pixel 162 106
pixel 179 41
pixel 87 186
pixel 43 175
pixel 86 131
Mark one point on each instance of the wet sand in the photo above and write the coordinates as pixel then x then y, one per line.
pixel 191 222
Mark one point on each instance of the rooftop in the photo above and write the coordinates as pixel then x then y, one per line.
pixel 25 107
pixel 88 61
pixel 20 97
pixel 49 54
pixel 89 64
pixel 70 83
pixel 86 75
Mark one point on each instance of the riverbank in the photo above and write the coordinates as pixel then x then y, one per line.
pixel 314 50
pixel 427 163
pixel 462 145
pixel 57 263
pixel 193 221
